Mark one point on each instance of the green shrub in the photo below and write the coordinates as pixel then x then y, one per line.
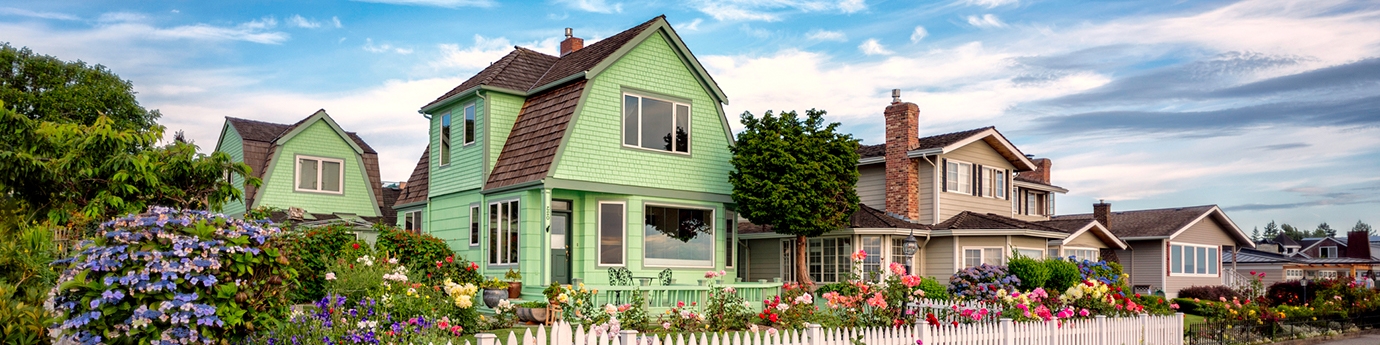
pixel 423 254
pixel 21 321
pixel 1211 293
pixel 358 277
pixel 842 288
pixel 934 289
pixel 1062 275
pixel 317 249
pixel 1032 273
pixel 1190 306
pixel 181 274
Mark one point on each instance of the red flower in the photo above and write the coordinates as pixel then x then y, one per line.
pixel 354 245
pixel 774 318
pixel 438 264
pixel 934 321
pixel 450 259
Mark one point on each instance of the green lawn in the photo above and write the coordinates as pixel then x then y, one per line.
pixel 1192 319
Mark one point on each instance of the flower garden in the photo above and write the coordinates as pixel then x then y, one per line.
pixel 1284 310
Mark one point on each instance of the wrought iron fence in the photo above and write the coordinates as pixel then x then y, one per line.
pixel 1231 333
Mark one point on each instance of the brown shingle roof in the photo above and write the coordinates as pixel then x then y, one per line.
pixel 525 69
pixel 536 135
pixel 1148 223
pixel 930 142
pixel 390 196
pixel 416 188
pixel 1285 240
pixel 968 220
pixel 1066 225
pixel 865 217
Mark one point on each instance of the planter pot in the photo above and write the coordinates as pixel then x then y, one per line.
pixel 524 314
pixel 493 296
pixel 514 289
pixel 538 315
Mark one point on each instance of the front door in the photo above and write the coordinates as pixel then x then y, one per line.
pixel 560 247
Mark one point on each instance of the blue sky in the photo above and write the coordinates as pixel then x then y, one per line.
pixel 1267 108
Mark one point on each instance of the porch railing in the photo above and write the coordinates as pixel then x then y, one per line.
pixel 660 298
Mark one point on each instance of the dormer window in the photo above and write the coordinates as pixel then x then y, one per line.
pixel 1327 252
pixel 321 175
pixel 656 124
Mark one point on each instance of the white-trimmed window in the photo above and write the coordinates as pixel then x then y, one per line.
pixel 412 222
pixel 1193 260
pixel 677 236
pixel 788 260
pixel 503 233
pixel 474 225
pixel 958 177
pixel 612 226
pixel 898 251
pixel 469 124
pixel 1327 274
pixel 322 175
pixel 445 140
pixel 1032 253
pixel 994 183
pixel 829 258
pixel 872 265
pixel 976 256
pixel 656 124
pixel 1327 252
pixel 1080 254
pixel 1293 274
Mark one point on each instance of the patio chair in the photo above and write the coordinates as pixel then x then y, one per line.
pixel 619 276
pixel 664 277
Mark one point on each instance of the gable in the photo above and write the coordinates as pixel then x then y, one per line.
pixel 980 152
pixel 1206 231
pixel 318 139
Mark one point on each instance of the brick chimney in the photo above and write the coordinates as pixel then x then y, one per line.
pixel 1102 212
pixel 1358 245
pixel 902 179
pixel 571 43
pixel 1042 167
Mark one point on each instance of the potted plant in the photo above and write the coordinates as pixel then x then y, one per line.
pixel 514 283
pixel 494 291
pixel 533 311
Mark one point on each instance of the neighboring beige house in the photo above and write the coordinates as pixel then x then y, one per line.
pixel 969 197
pixel 1171 248
pixel 1282 258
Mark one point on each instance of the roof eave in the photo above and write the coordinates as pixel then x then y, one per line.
pixel 467 93
pixel 918 153
pixel 1044 187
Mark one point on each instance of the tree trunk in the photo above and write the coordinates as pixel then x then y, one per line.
pixel 802 270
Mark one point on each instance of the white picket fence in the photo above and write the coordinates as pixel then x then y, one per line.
pixel 1142 330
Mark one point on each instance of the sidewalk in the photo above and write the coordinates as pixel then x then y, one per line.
pixel 1368 339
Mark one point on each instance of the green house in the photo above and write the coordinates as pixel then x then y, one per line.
pixel 611 156
pixel 313 165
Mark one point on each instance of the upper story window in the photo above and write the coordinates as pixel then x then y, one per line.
pixel 445 139
pixel 994 183
pixel 1036 204
pixel 1327 252
pixel 469 124
pixel 958 177
pixel 656 124
pixel 412 222
pixel 322 175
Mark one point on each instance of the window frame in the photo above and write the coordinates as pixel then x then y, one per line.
pixel 787 271
pixel 1000 183
pixel 467 131
pixel 842 260
pixel 476 224
pixel 1212 266
pixel 1066 252
pixel 1323 250
pixel 320 184
pixel 730 231
pixel 1288 277
pixel 963 169
pixel 689 132
pixel 443 156
pixel 1042 251
pixel 713 234
pixel 599 225
pixel 407 218
pixel 504 229
pixel 982 255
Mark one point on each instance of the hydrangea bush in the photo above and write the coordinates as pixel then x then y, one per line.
pixel 982 282
pixel 172 276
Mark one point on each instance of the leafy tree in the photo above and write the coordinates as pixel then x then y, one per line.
pixel 1291 231
pixel 1271 230
pixel 1362 226
pixel 73 173
pixel 1324 230
pixel 43 87
pixel 796 176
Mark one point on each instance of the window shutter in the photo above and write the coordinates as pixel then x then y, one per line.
pixel 975 178
pixel 981 179
pixel 1006 175
pixel 944 167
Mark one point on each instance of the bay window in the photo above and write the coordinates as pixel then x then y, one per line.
pixel 656 124
pixel 829 259
pixel 872 265
pixel 678 237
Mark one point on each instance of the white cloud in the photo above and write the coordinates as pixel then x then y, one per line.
pixel 302 22
pixel 693 25
pixel 437 3
pixel 872 47
pixel 176 11
pixel 826 35
pixel 11 11
pixel 485 51
pixel 986 21
pixel 596 6
pixel 990 3
pixel 119 17
pixel 336 21
pixel 369 46
pixel 773 10
pixel 918 34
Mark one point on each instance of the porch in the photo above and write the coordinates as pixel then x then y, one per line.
pixel 660 298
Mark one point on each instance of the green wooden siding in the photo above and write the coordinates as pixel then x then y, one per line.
pixel 585 229
pixel 504 111
pixel 402 221
pixel 317 140
pixel 464 172
pixel 232 144
pixel 594 150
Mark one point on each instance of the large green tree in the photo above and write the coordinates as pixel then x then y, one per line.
pixel 796 175
pixel 1363 227
pixel 43 87
pixel 1324 230
pixel 1271 230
